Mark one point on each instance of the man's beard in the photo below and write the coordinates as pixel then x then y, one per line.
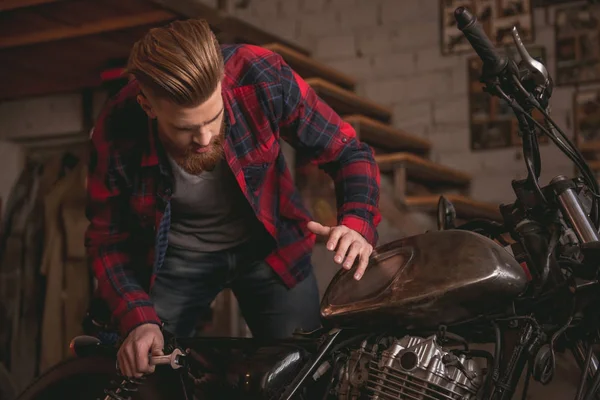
pixel 195 163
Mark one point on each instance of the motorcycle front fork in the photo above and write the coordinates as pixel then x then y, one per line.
pixel 517 354
pixel 580 349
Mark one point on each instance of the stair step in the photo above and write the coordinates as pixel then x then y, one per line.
pixel 386 136
pixel 307 67
pixel 466 207
pixel 422 169
pixel 346 102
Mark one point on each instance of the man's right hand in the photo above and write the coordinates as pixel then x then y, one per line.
pixel 133 355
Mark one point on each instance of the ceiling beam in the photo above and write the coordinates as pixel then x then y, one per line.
pixel 6 5
pixel 191 9
pixel 233 28
pixel 92 28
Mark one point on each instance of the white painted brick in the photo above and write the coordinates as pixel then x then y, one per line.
pixel 428 86
pixel 495 186
pixel 564 120
pixel 451 110
pixel 413 115
pixel 500 160
pixel 553 158
pixel 459 80
pixel 312 6
pixel 562 99
pixel 306 41
pixel 288 8
pixel 359 68
pixel 510 160
pixel 352 18
pixel 41 116
pixel 320 24
pixel 264 9
pixel 550 66
pixel 544 36
pixel 403 110
pixel 342 4
pixel 551 14
pixel 396 11
pixel 445 142
pixel 539 18
pixel 284 28
pixel 210 3
pixel 385 91
pixel 332 47
pixel 416 35
pixel 431 59
pixel 417 128
pixel 453 129
pixel 246 14
pixel 392 65
pixel 492 188
pixel 460 162
pixel 375 41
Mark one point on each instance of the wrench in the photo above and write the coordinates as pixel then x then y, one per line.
pixel 174 359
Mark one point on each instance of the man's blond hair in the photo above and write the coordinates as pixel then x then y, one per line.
pixel 180 62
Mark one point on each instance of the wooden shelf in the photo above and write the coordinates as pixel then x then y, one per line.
pixel 307 67
pixel 385 136
pixel 466 208
pixel 346 102
pixel 421 169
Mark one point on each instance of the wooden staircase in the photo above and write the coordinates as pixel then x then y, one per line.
pixel 417 181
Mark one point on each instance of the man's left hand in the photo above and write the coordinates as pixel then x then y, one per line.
pixel 347 244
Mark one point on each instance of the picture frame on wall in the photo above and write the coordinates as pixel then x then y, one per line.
pixel 577 44
pixel 586 118
pixel 497 17
pixel 493 124
pixel 548 3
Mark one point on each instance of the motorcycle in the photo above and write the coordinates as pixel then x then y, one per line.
pixel 528 287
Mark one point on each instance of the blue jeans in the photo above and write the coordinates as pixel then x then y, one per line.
pixel 189 281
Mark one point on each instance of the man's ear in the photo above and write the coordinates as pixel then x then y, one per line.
pixel 146 106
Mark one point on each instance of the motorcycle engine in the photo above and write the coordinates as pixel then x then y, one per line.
pixel 410 368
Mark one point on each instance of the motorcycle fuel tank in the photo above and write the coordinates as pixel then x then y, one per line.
pixel 426 280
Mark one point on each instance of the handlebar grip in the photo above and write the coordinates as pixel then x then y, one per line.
pixel 480 42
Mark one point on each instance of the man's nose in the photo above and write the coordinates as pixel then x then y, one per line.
pixel 202 138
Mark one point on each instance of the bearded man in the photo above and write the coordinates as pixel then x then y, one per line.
pixel 189 192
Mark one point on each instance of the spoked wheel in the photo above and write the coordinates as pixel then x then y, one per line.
pixel 86 378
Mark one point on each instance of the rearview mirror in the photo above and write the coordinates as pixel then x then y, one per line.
pixel 446 214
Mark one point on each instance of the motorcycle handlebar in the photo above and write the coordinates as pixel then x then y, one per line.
pixel 480 42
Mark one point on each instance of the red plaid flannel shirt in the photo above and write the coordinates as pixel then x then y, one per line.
pixel 129 185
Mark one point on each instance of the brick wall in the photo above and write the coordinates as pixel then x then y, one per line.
pixel 392 47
